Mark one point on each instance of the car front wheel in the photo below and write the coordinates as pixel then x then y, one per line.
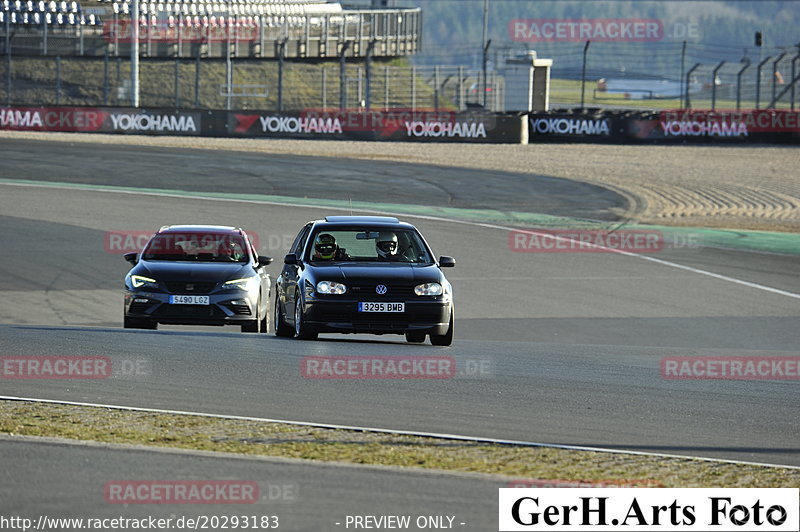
pixel 253 326
pixel 301 330
pixel 446 338
pixel 281 329
pixel 263 326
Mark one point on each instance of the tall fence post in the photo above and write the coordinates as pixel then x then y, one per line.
pixel 8 59
pixel 58 80
pixel 775 73
pixel 583 75
pixel 485 61
pixel 386 88
pixel 135 53
pixel 683 64
pixel 739 86
pixel 228 74
pixel 413 76
pixel 687 101
pixel 714 85
pixel 343 76
pixel 359 77
pixel 436 88
pixel 197 80
pixel 462 104
pixel 179 48
pixel 281 57
pixel 177 83
pixel 368 68
pixel 324 88
pixel 758 80
pixel 106 87
pixel 794 75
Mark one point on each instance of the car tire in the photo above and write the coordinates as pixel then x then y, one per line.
pixel 415 337
pixel 301 330
pixel 263 326
pixel 133 323
pixel 253 326
pixel 446 338
pixel 281 329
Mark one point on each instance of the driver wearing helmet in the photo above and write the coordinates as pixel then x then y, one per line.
pixel 324 247
pixel 387 246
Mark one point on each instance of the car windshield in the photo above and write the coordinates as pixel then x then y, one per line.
pixel 369 245
pixel 204 247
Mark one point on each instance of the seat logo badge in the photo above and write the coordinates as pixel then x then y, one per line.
pixel 189 287
pixel 381 289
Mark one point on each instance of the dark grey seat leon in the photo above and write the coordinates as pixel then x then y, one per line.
pixel 198 275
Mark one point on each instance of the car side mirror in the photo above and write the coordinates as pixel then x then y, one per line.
pixel 291 259
pixel 446 262
pixel 264 261
pixel 132 257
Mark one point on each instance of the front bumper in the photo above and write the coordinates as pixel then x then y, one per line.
pixel 331 315
pixel 234 308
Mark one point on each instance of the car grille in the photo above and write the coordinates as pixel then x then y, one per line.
pixel 366 292
pixel 189 311
pixel 183 287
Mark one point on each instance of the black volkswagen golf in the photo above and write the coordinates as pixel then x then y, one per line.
pixel 364 274
pixel 198 275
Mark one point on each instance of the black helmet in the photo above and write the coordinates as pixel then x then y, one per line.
pixel 325 246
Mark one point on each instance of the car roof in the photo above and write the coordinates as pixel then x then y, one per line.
pixel 374 221
pixel 199 229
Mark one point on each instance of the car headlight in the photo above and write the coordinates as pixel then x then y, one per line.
pixel 428 289
pixel 140 281
pixel 331 287
pixel 239 284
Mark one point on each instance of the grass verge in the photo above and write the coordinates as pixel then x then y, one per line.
pixel 346 446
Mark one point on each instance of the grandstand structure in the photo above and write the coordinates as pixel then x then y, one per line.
pixel 293 29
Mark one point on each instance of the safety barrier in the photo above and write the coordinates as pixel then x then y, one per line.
pixel 677 126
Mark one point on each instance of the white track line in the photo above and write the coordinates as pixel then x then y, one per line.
pixel 662 262
pixel 443 436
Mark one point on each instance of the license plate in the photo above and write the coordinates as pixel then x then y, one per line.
pixel 381 307
pixel 189 300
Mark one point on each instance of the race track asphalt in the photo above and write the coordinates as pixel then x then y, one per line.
pixel 570 343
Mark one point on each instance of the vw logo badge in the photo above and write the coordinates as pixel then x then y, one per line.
pixel 381 289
